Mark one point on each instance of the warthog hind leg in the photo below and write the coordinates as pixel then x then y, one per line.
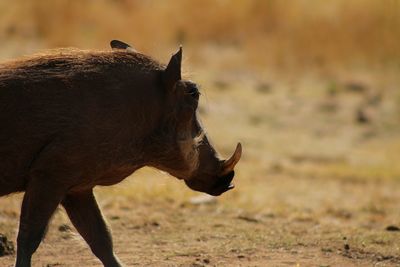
pixel 86 216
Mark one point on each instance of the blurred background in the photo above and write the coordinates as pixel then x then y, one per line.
pixel 310 88
pixel 259 34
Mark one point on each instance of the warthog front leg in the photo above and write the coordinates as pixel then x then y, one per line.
pixel 40 200
pixel 86 216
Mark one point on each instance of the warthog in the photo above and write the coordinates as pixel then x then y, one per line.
pixel 72 119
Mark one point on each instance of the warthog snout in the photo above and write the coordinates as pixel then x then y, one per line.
pixel 221 182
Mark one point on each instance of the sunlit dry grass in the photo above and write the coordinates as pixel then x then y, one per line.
pixel 269 33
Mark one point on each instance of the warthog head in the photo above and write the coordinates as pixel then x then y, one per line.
pixel 191 156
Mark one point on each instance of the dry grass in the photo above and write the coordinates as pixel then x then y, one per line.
pixel 269 33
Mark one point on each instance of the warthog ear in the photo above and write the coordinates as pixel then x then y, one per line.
pixel 172 73
pixel 116 44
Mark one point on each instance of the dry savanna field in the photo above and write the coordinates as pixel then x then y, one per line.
pixel 310 89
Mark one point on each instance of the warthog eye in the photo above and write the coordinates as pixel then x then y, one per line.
pixel 192 89
pixel 195 94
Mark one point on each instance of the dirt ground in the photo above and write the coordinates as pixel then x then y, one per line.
pixel 318 184
pixel 167 232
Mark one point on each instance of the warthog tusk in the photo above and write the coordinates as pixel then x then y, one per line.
pixel 230 163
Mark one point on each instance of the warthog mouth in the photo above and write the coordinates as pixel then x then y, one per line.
pixel 224 184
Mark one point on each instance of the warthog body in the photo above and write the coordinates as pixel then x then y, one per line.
pixel 71 120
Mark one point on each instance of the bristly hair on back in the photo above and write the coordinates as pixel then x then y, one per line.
pixel 67 61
